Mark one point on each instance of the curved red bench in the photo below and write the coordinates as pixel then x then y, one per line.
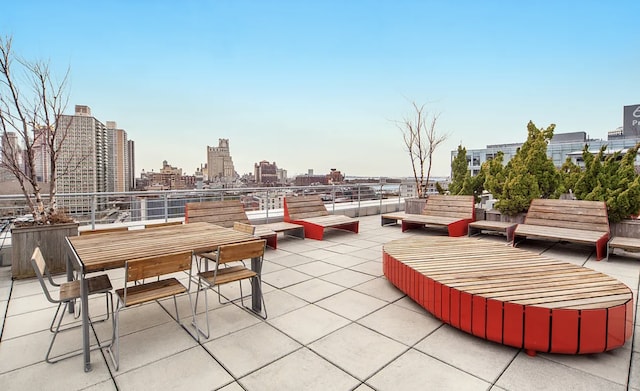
pixel 512 296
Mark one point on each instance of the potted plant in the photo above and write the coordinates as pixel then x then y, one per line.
pixel 421 139
pixel 31 103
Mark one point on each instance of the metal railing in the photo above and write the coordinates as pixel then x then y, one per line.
pixel 262 204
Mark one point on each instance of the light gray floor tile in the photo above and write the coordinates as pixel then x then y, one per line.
pixel 634 373
pixel 401 324
pixel 309 323
pixel 369 254
pixel 380 288
pixel 317 268
pixel 358 350
pixel 166 340
pixel 252 348
pixel 373 268
pixel 136 318
pixel 477 356
pixel 636 339
pixel 408 303
pixel 301 370
pixel 270 267
pixel 363 387
pixel 280 302
pixel 343 248
pixel 351 304
pixel 318 254
pixel 226 320
pixel 64 375
pixel 108 385
pixel 5 291
pixel 344 260
pixel 538 373
pixel 31 322
pixel 417 371
pixel 347 278
pixel 192 369
pixel 365 244
pixel 284 278
pixel 232 387
pixel 612 365
pixel 292 260
pixel 314 290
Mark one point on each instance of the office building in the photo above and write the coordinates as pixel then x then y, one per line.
pixel 219 163
pixel 564 145
pixel 265 173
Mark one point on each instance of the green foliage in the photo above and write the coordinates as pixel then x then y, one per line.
pixel 569 175
pixel 611 179
pixel 459 171
pixel 529 174
pixel 439 188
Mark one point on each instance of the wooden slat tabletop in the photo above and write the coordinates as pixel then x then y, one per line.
pixel 496 271
pixel 112 250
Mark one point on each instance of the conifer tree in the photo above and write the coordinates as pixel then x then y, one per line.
pixel 459 171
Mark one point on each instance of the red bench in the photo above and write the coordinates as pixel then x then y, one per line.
pixel 310 212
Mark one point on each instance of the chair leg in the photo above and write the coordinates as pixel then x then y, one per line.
pixel 196 334
pixel 55 334
pixel 206 306
pixel 115 337
pixel 264 305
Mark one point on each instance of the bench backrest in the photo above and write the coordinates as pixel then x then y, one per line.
pixel 303 207
pixel 574 214
pixel 455 206
pixel 223 213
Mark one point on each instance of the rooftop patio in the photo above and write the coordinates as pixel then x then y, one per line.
pixel 334 323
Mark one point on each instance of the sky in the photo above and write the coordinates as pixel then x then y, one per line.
pixel 323 84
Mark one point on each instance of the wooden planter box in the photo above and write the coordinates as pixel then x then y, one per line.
pixel 414 205
pixel 50 239
pixel 495 215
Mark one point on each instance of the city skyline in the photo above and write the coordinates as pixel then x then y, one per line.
pixel 319 85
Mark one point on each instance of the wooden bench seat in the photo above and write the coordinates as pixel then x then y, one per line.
pixel 623 243
pixel 310 212
pixel 452 212
pixel 225 213
pixel 512 296
pixel 575 221
pixel 505 227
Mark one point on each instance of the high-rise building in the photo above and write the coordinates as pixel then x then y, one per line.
pixel 83 163
pixel 265 173
pixel 219 162
pixel 131 182
pixel 120 158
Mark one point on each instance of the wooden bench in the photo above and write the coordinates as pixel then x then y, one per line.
pixel 454 212
pixel 310 212
pixel 575 221
pixel 512 296
pixel 508 228
pixel 624 243
pixel 225 213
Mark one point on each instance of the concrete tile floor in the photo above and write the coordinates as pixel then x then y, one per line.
pixel 334 323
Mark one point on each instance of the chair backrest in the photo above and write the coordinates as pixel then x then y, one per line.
pixel 573 214
pixel 141 268
pixel 240 251
pixel 103 230
pixel 456 206
pixel 163 224
pixel 41 270
pixel 246 228
pixel 302 207
pixel 223 213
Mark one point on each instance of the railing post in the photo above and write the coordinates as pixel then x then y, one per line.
pixel 166 207
pixel 94 205
pixel 381 186
pixel 333 199
pixel 359 198
pixel 266 208
pixel 399 197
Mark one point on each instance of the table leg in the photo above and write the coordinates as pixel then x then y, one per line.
pixel 84 297
pixel 256 304
pixel 70 278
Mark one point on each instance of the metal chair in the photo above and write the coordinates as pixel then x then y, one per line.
pixel 135 293
pixel 68 292
pixel 224 275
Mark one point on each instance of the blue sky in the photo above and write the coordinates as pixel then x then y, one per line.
pixel 320 84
